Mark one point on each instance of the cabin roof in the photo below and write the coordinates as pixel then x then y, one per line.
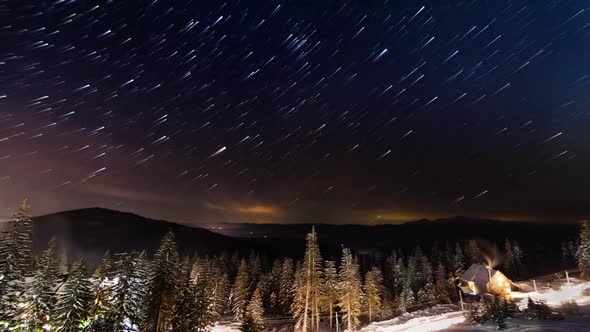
pixel 477 273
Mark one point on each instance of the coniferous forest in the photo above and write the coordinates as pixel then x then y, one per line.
pixel 167 291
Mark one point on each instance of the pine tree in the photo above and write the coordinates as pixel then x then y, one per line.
pixel 217 288
pixel 271 288
pixel 406 298
pixel 426 295
pixel 386 307
pixel 129 291
pixel 70 314
pixel 424 271
pixel 373 291
pixel 162 284
pixel 472 252
pixel 399 274
pixel 286 286
pixel 191 306
pixel 101 313
pixel 389 272
pixel 583 253
pixel 204 310
pixel 330 289
pixel 457 263
pixel 254 320
pixel 436 254
pixel 105 269
pixel 349 291
pixel 508 257
pixel 518 256
pixel 241 292
pixel 441 286
pixel 254 268
pixel 41 297
pixel 308 297
pixel 17 258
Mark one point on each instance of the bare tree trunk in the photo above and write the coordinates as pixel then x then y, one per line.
pixel 330 315
pixel 349 315
pixel 158 316
pixel 307 290
pixel 317 314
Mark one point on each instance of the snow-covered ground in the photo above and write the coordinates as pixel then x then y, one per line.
pixel 448 318
pixel 571 292
pixel 433 319
pixel 226 325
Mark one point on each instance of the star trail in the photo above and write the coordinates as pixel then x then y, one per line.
pixel 297 111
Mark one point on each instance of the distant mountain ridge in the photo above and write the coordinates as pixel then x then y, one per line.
pixel 90 232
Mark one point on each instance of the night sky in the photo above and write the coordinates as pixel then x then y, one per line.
pixel 297 111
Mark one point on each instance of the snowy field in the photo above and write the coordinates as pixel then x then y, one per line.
pixel 433 319
pixel 226 326
pixel 448 318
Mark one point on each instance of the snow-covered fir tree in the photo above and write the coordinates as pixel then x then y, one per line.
pixel 426 294
pixel 407 296
pixel 569 251
pixel 41 295
pixel 270 288
pixel 286 282
pixel 583 253
pixel 518 257
pixel 192 310
pixel 349 291
pixel 388 268
pixel 254 268
pixel 241 292
pixel 306 304
pixel 423 270
pixel 472 252
pixel 205 312
pixel 101 314
pixel 513 255
pixel 129 291
pixel 73 300
pixel 17 259
pixel 399 274
pixel 373 292
pixel 330 290
pixel 421 267
pixel 218 289
pixel 436 254
pixel 163 277
pixel 441 286
pixel 457 264
pixel 254 318
pixel 424 287
pixel 508 256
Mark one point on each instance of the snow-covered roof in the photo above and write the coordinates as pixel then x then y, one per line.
pixel 477 273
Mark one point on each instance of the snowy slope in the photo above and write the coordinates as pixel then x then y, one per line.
pixel 434 319
pixel 448 318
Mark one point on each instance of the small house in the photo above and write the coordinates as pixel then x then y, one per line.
pixel 479 279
